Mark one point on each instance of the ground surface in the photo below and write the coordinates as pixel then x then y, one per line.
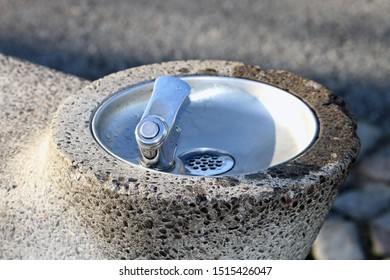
pixel 344 45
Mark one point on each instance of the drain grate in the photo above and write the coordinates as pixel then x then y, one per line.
pixel 207 163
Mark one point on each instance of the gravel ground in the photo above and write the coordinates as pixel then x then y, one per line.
pixel 344 45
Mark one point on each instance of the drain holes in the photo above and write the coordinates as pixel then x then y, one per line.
pixel 205 162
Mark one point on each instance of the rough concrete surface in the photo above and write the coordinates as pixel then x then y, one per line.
pixel 271 214
pixel 91 205
pixel 33 225
pixel 344 45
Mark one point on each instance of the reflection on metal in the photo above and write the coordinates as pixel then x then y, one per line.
pixel 155 134
pixel 254 124
pixel 206 162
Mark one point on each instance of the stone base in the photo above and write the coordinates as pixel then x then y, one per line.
pixel 64 197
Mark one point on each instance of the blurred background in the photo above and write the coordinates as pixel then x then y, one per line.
pixel 344 45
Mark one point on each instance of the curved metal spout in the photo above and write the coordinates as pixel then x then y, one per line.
pixel 156 133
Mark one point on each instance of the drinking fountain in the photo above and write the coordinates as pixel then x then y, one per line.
pixel 202 160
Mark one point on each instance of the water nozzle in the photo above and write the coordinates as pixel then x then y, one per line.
pixel 156 133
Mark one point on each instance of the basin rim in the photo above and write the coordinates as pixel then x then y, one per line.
pixel 330 156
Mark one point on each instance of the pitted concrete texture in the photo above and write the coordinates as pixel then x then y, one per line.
pixel 33 223
pixel 341 44
pixel 362 202
pixel 63 197
pixel 137 213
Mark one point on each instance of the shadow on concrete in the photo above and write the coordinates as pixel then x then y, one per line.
pixel 70 61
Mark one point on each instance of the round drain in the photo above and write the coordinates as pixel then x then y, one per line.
pixel 205 162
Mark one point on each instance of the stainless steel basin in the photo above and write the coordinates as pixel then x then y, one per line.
pixel 228 126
